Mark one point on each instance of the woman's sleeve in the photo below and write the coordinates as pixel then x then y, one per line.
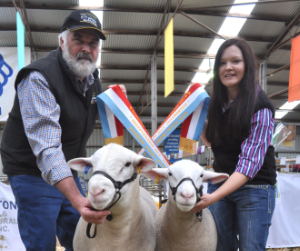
pixel 254 148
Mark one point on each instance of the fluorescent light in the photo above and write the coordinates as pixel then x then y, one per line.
pixel 215 46
pixel 290 105
pixel 280 114
pixel 231 28
pixel 286 106
pixel 242 9
pixel 204 77
pixel 201 78
pixel 98 3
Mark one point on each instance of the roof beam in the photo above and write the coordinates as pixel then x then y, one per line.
pixel 277 66
pixel 278 69
pixel 145 67
pixel 275 95
pixel 177 54
pixel 277 83
pixel 147 33
pixel 199 10
pixel 292 23
pixel 160 53
pixel 186 34
pixel 138 81
pixel 178 68
pixel 280 98
pixel 177 82
pixel 287 120
pixel 32 28
pixel 173 94
pixel 160 105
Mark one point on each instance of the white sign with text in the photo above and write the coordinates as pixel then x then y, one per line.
pixel 9 231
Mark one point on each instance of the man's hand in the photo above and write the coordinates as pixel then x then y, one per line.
pixel 123 88
pixel 84 207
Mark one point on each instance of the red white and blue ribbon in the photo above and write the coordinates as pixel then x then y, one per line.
pixel 117 102
pixel 192 128
pixel 193 107
pixel 112 128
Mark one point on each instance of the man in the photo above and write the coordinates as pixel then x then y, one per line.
pixel 51 120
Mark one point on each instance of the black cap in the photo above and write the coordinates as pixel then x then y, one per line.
pixel 82 19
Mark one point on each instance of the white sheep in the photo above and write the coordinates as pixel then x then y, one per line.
pixel 177 229
pixel 132 227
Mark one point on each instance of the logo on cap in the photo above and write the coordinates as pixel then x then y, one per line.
pixel 88 18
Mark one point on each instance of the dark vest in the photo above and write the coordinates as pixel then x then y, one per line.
pixel 226 156
pixel 77 118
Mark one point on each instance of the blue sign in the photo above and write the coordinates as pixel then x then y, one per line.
pixel 4 75
pixel 172 144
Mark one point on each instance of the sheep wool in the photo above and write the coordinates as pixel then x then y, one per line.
pixel 177 229
pixel 182 231
pixel 132 227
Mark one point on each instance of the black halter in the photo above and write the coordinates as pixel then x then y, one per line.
pixel 198 191
pixel 118 185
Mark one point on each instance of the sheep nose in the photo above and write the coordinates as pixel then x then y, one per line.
pixel 97 192
pixel 186 195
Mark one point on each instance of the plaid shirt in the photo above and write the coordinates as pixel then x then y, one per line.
pixel 254 148
pixel 40 113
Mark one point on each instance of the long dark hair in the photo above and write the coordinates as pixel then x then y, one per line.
pixel 242 109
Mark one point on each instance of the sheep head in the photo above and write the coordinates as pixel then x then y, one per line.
pixel 186 195
pixel 118 162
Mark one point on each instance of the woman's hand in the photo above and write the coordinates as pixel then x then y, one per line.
pixel 206 200
pixel 235 181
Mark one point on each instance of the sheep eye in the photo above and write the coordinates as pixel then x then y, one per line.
pixel 128 164
pixel 201 175
pixel 170 174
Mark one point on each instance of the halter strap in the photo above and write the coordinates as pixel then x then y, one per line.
pixel 198 191
pixel 199 214
pixel 118 185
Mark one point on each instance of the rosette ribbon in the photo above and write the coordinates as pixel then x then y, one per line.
pixel 191 108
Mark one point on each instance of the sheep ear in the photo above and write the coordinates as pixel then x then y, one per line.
pixel 146 164
pixel 152 174
pixel 79 164
pixel 214 177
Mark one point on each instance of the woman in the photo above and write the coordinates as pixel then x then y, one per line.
pixel 239 130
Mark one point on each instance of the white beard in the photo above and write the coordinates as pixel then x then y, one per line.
pixel 80 67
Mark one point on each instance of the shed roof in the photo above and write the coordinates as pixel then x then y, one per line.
pixel 132 28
